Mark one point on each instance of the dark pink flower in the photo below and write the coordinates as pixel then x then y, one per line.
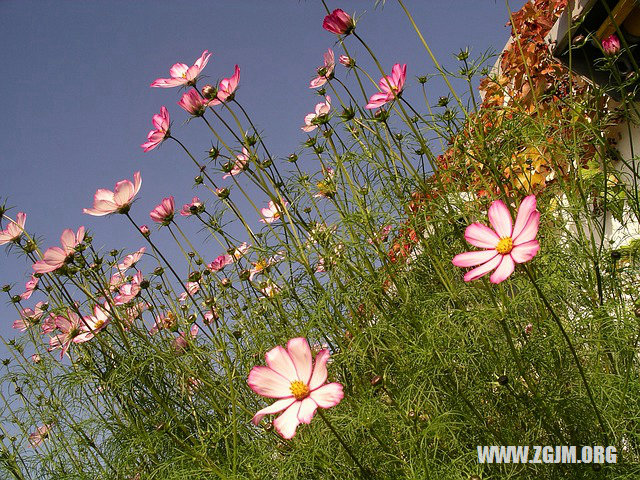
pixel 227 88
pixel 505 245
pixel 161 123
pixel 611 44
pixel 298 384
pixel 325 72
pixel 144 230
pixel 338 22
pixel 194 103
pixel 196 206
pixel 163 212
pixel 347 61
pixel 220 262
pixel 390 86
pixel 119 201
pixel 14 229
pixel 181 74
pixel 56 257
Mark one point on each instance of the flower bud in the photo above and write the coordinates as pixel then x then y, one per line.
pixel 198 180
pixel 158 271
pixel 144 230
pixel 213 153
pixel 376 380
pixel 209 91
pixel 503 380
pixel 222 193
pixel 292 158
pixel 611 44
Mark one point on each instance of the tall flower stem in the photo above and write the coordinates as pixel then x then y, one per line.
pixel 365 473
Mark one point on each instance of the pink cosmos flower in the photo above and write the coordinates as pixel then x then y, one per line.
pixel 211 315
pixel 144 230
pixel 35 358
pixel 48 324
pixel 239 251
pixel 270 290
pixel 182 342
pixel 261 265
pixel 161 123
pixel 611 44
pixel 181 74
pixel 166 321
pixel 382 236
pixel 325 72
pixel 242 160
pixel 196 204
pixel 347 61
pixel 98 320
pixel 272 212
pixel 192 288
pixel 73 330
pixel 505 245
pixel 194 103
pixel 298 384
pixel 40 435
pixel 119 201
pixel 29 317
pixel 220 262
pixel 56 257
pixel 227 88
pixel 163 212
pixel 14 229
pixel 339 22
pixel 130 260
pixel 30 286
pixel 129 291
pixel 312 120
pixel 390 86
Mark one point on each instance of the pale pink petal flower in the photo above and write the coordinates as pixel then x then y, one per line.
pixel 240 250
pixel 272 212
pixel 181 74
pixel 261 265
pixel 73 330
pixel 55 257
pixel 312 120
pixel 118 201
pixel 391 86
pixel 227 88
pixel 338 22
pixel 240 165
pixel 162 125
pixel 40 435
pixel 182 342
pixel 130 260
pixel 188 209
pixel 270 290
pixel 325 72
pixel 129 291
pixel 29 317
pixel 14 229
pixel 504 246
pixel 30 286
pixel 163 212
pixel 192 288
pixel 298 385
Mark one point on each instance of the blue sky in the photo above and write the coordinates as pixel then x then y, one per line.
pixel 76 102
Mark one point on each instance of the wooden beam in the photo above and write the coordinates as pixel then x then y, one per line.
pixel 619 13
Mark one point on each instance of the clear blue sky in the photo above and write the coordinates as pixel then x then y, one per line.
pixel 76 103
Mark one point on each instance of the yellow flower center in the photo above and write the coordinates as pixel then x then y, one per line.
pixel 505 245
pixel 99 324
pixel 299 390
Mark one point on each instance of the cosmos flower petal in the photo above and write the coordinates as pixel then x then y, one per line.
pixel 500 219
pixel 328 395
pixel 276 407
pixel 319 375
pixel 471 259
pixel 308 408
pixel 482 269
pixel 280 361
pixel 525 251
pixel 287 423
pixel 527 207
pixel 481 236
pixel 529 231
pixel 300 353
pixel 504 270
pixel 268 383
